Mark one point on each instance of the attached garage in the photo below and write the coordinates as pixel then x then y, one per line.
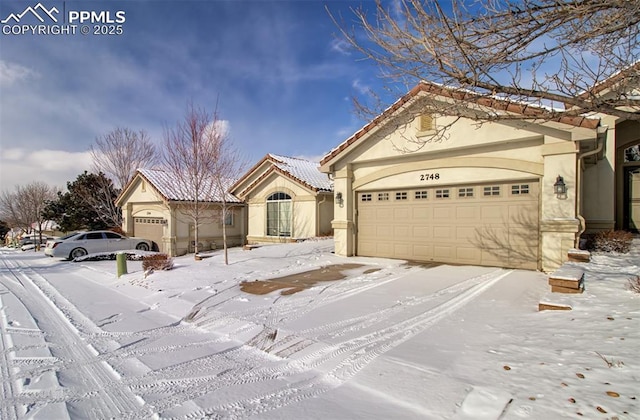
pixel 480 224
pixel 149 228
pixel 436 177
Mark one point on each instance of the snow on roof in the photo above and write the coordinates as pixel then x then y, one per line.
pixel 46 225
pixel 304 170
pixel 166 184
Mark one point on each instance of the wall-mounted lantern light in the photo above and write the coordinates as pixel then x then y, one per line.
pixel 560 188
pixel 339 199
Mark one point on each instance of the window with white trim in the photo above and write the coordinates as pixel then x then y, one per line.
pixel 444 193
pixel 383 196
pixel 365 197
pixel 421 195
pixel 520 189
pixel 279 214
pixel 465 192
pixel 491 191
pixel 228 218
pixel 401 196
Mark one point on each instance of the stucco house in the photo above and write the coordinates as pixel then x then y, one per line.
pixel 423 185
pixel 287 199
pixel 153 209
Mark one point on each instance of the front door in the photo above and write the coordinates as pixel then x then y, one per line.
pixel 632 199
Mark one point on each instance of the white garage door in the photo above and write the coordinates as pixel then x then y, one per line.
pixel 484 224
pixel 149 228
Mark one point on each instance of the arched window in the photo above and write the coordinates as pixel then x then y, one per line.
pixel 279 214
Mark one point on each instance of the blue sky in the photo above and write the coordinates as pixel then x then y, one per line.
pixel 281 77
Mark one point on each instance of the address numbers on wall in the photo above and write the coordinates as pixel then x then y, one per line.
pixel 430 176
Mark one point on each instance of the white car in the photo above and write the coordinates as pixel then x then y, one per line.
pixel 82 243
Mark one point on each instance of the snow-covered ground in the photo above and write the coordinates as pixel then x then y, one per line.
pixel 391 340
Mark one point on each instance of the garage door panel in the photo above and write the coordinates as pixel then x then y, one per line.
pixel 384 230
pixel 402 232
pixel 521 237
pixel 443 213
pixel 385 249
pixel 467 254
pixel 466 233
pixel 401 213
pixel 494 212
pixel 495 256
pixel 522 217
pixel 443 252
pixel 467 213
pixel 422 213
pixel 384 213
pixel 442 232
pixel 401 249
pixel 367 213
pixel 423 252
pixel 423 232
pixel 367 247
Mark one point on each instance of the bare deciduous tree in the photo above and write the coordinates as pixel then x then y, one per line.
pixel 24 207
pixel 189 150
pixel 546 52
pixel 226 167
pixel 122 151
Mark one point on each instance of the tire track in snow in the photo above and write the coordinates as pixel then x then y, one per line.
pixel 348 358
pixel 251 372
pixel 76 355
pixel 7 411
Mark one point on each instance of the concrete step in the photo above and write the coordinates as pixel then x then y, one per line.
pixel 579 255
pixel 567 279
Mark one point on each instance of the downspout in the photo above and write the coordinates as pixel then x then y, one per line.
pixel 324 199
pixel 600 139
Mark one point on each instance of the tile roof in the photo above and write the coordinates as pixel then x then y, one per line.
pixel 166 185
pixel 462 95
pixel 303 170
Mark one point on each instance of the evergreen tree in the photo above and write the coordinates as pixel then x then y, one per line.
pixel 87 204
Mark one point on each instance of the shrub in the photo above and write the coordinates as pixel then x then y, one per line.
pixel 157 262
pixel 612 241
pixel 634 284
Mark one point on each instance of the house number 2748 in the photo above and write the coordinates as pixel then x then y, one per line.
pixel 429 177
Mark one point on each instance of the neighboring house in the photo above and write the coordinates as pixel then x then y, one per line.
pixel 152 209
pixel 49 228
pixel 287 198
pixel 487 194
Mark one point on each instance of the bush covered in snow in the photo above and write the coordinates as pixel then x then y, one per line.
pixel 612 241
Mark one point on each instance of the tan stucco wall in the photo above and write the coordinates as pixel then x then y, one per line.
pixel 598 194
pixel 306 223
pixel 468 153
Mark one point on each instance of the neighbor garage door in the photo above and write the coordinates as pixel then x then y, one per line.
pixel 149 228
pixel 484 224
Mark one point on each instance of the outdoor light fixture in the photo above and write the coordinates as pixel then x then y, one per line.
pixel 339 199
pixel 560 188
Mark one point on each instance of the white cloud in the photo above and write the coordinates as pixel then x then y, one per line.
pixel 10 73
pixel 341 46
pixel 360 87
pixel 54 167
pixel 12 154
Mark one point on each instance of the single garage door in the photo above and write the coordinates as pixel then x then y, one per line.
pixel 483 224
pixel 149 228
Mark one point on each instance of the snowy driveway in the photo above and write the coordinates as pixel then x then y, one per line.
pixel 389 341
